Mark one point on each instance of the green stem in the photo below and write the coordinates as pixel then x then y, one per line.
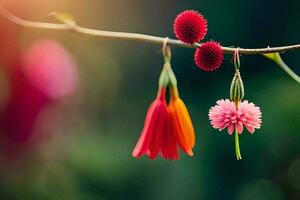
pixel 288 70
pixel 237 146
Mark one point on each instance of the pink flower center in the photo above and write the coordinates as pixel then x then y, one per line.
pixel 235 117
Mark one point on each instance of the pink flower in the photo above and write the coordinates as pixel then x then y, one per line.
pixel 50 68
pixel 226 114
pixel 37 81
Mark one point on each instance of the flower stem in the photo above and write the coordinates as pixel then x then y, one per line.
pixel 288 70
pixel 237 146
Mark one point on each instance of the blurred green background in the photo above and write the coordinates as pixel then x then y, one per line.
pixel 88 155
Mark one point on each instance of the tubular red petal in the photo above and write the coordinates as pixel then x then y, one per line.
pixel 144 141
pixel 169 149
pixel 159 129
pixel 161 94
pixel 149 142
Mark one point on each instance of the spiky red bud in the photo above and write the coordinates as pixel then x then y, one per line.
pixel 209 56
pixel 190 26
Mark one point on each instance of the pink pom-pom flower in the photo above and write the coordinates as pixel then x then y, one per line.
pixel 226 115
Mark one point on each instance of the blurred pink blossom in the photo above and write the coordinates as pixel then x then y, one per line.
pixel 50 69
pixel 40 78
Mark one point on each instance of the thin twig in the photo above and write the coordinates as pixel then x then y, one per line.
pixel 132 36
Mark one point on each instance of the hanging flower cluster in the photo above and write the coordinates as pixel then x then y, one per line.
pixel 235 114
pixel 191 27
pixel 166 125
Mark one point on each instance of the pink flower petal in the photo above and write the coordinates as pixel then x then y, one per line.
pixel 225 114
pixel 230 129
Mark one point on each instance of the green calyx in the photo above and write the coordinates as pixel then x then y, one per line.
pixel 172 77
pixel 237 88
pixel 164 78
pixel 167 76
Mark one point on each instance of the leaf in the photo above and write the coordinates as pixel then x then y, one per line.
pixel 65 18
pixel 272 56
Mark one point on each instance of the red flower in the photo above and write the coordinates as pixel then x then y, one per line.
pixel 209 56
pixel 166 126
pixel 169 148
pixel 155 136
pixel 190 26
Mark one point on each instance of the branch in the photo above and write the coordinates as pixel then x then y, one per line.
pixel 132 36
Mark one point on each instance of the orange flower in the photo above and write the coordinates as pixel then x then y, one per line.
pixel 181 122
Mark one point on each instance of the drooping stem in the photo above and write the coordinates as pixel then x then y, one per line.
pixel 237 146
pixel 131 36
pixel 288 70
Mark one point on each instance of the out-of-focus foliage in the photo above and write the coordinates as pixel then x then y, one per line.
pixel 87 145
